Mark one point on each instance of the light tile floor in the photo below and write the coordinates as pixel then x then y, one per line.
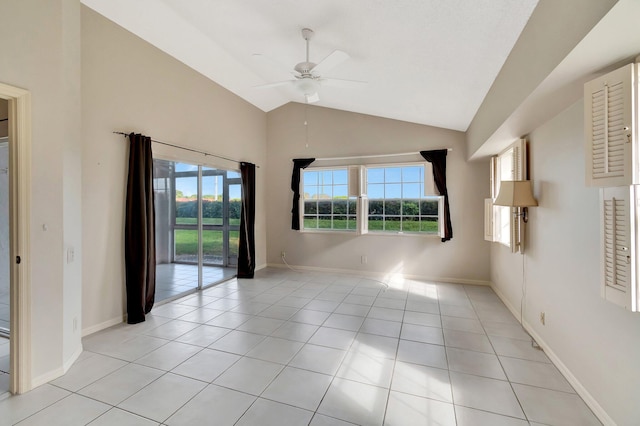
pixel 289 348
pixel 173 279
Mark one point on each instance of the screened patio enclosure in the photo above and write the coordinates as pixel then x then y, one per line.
pixel 197 214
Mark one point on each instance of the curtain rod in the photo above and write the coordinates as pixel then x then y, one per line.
pixel 187 149
pixel 372 156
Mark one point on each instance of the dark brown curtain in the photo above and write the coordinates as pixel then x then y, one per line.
pixel 438 158
pixel 298 163
pixel 140 235
pixel 247 246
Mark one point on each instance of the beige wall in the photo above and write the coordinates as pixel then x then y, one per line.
pixel 595 340
pixel 592 341
pixel 128 85
pixel 334 133
pixel 41 53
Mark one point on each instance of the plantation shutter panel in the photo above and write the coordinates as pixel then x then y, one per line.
pixel 488 220
pixel 494 177
pixel 489 233
pixel 609 126
pixel 618 278
pixel 519 164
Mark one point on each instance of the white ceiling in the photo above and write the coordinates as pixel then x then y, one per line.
pixel 426 61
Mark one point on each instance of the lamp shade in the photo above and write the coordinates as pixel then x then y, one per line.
pixel 515 193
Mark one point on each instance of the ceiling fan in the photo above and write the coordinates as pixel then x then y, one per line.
pixel 308 75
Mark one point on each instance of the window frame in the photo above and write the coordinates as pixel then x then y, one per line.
pixel 357 183
pixel 425 181
pixel 350 197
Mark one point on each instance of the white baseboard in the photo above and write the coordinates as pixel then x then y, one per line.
pixel 52 375
pixel 591 402
pixel 68 363
pixel 46 378
pixel 379 275
pixel 507 303
pixel 98 327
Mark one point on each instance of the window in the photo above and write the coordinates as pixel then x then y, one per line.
pixel 392 200
pixel 327 204
pixel 502 225
pixel 397 200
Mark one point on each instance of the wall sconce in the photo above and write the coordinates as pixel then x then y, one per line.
pixel 516 193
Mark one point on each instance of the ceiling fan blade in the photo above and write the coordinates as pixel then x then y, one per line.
pixel 275 84
pixel 347 84
pixel 333 60
pixel 269 63
pixel 312 98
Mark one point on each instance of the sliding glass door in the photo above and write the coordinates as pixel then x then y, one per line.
pixel 221 216
pixel 196 225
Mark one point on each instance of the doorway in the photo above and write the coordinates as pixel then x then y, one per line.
pixel 18 126
pixel 5 277
pixel 197 226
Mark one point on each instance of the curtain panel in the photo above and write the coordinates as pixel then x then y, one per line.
pixel 247 246
pixel 438 158
pixel 298 164
pixel 140 235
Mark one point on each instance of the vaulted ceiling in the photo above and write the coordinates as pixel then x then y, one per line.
pixel 429 61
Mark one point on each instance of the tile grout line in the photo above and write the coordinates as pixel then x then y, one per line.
pixel 499 361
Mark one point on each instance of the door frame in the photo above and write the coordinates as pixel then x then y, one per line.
pixel 19 236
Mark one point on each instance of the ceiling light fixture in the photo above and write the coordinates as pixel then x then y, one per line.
pixel 308 86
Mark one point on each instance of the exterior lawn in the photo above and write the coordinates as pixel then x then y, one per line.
pixel 186 242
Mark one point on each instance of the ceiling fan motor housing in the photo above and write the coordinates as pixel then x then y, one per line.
pixel 305 68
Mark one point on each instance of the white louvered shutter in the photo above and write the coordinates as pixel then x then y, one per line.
pixel 488 220
pixel 494 177
pixel 609 125
pixel 618 248
pixel 519 162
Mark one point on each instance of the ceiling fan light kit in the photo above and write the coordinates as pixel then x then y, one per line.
pixel 307 85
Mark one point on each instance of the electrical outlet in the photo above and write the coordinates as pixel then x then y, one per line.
pixel 283 254
pixel 363 259
pixel 542 318
pixel 71 254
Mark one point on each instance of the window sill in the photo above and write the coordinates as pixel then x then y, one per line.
pixel 402 234
pixel 375 233
pixel 329 231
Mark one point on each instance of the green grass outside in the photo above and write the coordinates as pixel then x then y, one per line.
pixel 186 242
